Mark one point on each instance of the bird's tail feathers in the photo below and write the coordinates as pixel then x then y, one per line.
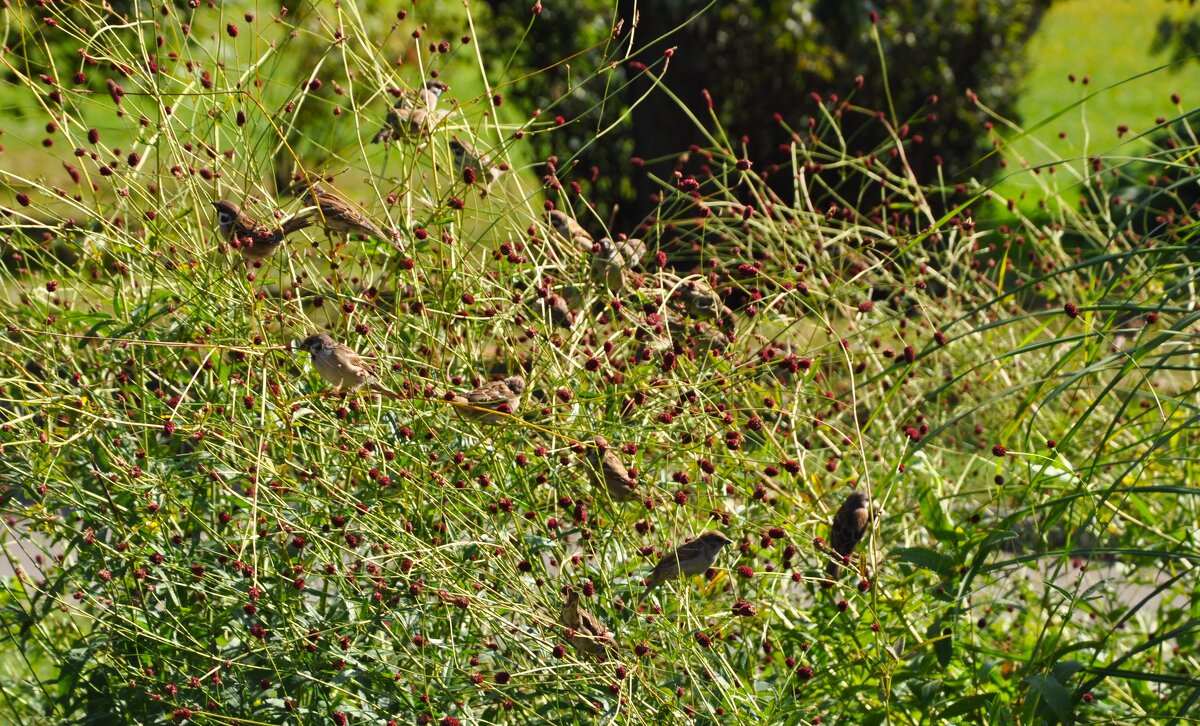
pixel 651 584
pixel 384 391
pixel 296 222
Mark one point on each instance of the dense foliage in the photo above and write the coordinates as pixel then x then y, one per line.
pixel 764 69
pixel 201 528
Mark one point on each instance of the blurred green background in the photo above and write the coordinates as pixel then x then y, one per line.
pixel 769 68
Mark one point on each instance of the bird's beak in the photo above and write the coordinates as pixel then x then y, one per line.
pixel 216 206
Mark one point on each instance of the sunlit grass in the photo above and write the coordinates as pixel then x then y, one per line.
pixel 240 541
pixel 1105 46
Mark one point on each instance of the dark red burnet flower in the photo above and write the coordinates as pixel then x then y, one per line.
pixel 743 608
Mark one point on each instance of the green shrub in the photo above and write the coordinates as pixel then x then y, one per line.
pixel 202 529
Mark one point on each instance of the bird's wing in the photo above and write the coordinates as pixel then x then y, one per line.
pixel 490 393
pixel 614 465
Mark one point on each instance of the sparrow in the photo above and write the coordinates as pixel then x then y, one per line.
pixel 490 402
pixel 336 214
pixel 251 237
pixel 692 558
pixel 612 260
pixel 571 231
pixel 702 302
pixel 606 465
pixel 554 307
pixel 470 163
pixel 587 633
pixel 340 366
pixel 413 118
pixel 850 523
pixel 682 333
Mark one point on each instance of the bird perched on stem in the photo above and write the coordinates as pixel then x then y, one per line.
pixel 612 261
pixel 410 117
pixel 571 230
pixel 340 366
pixel 686 334
pixel 471 164
pixel 587 634
pixel 608 470
pixel 491 403
pixel 249 236
pixel 553 307
pixel 701 302
pixel 335 214
pixel 692 558
pixel 850 523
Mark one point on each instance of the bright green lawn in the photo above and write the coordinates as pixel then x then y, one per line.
pixel 1108 42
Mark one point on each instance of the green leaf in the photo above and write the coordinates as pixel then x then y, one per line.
pixel 1051 692
pixel 1063 671
pixel 964 706
pixel 936 520
pixel 943 645
pixel 926 691
pixel 925 558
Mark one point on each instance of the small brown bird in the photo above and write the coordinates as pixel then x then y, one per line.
pixel 612 261
pixel 471 164
pixel 571 230
pixel 686 334
pixel 340 366
pixel 336 214
pixel 850 523
pixel 492 401
pixel 702 302
pixel 555 308
pixel 607 469
pixel 410 117
pixel 587 633
pixel 249 236
pixel 631 249
pixel 692 558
